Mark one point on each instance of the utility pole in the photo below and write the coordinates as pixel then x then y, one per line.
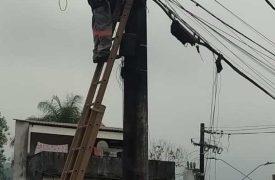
pixel 204 147
pixel 134 73
pixel 202 152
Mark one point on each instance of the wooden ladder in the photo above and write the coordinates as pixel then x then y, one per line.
pixel 89 124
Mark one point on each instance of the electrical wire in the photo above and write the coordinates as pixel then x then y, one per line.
pixel 238 71
pixel 218 101
pixel 215 167
pixel 255 50
pixel 251 27
pixel 236 127
pixel 231 166
pixel 242 34
pixel 249 129
pixel 269 3
pixel 173 14
pixel 237 39
pixel 212 114
pixel 209 46
pixel 119 79
pixel 252 69
pixel 244 133
pixel 246 53
pixel 211 26
pixel 206 165
pixel 66 5
pixel 261 63
pixel 241 73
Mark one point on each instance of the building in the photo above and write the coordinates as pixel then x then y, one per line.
pixel 41 148
pixel 191 172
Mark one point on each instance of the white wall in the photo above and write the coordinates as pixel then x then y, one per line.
pixel 188 175
pixel 20 150
pixel 22 143
pixel 71 132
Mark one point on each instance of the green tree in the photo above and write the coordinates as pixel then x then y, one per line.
pixel 68 111
pixel 3 139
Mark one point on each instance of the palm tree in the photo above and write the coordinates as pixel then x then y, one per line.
pixel 69 111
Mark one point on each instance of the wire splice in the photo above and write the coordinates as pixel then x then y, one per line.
pixel 219 64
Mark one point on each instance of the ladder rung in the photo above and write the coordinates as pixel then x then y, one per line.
pixel 70 171
pixel 96 83
pixel 90 104
pixel 97 110
pixel 82 127
pixel 77 149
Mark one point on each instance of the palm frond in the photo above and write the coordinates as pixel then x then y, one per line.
pixel 47 107
pixel 73 100
pixel 57 100
pixel 47 118
pixel 34 118
pixel 67 112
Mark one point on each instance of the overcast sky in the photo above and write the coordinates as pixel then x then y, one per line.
pixel 44 51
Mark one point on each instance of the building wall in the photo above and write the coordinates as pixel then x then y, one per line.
pixel 25 146
pixel 55 178
pixel 71 132
pixel 99 168
pixel 51 139
pixel 20 150
pixel 54 139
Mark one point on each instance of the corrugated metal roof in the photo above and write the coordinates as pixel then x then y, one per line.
pixel 67 125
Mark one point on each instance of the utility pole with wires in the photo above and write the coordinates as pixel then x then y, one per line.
pixel 204 147
pixel 135 113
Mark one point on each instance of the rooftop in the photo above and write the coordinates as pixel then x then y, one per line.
pixel 67 125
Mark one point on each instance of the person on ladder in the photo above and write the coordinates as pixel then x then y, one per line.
pixel 102 29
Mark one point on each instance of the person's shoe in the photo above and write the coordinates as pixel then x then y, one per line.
pixel 118 56
pixel 104 59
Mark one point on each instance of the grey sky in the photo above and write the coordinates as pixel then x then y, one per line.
pixel 44 51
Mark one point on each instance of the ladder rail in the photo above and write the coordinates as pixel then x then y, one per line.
pixel 91 118
pixel 90 134
pixel 86 110
pixel 86 146
pixel 85 113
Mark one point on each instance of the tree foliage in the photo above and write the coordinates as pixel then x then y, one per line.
pixel 163 150
pixel 68 111
pixel 3 140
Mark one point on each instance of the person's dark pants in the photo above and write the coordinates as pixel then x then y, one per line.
pixel 102 31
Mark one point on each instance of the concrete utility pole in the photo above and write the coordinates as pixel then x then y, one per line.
pixel 135 120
